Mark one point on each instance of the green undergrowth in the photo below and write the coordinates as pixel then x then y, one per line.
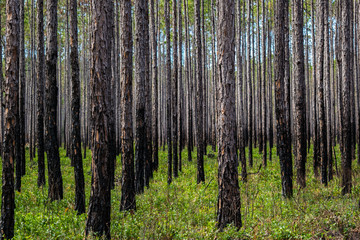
pixel 186 210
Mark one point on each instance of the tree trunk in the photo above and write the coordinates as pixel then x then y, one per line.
pixel 11 105
pixel 175 92
pixel 141 79
pixel 40 93
pixel 199 97
pixel 154 76
pixel 282 114
pixel 75 112
pixel 55 179
pixel 249 90
pixel 320 28
pixel 347 51
pixel 300 97
pixel 98 220
pixel 168 90
pixel 229 194
pixel 128 192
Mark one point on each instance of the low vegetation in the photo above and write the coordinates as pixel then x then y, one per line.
pixel 186 210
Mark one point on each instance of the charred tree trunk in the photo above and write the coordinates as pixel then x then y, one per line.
pixel 40 93
pixel 128 192
pixel 168 90
pixel 11 105
pixel 282 114
pixel 346 156
pixel 98 220
pixel 141 78
pixel 75 112
pixel 175 92
pixel 199 96
pixel 300 95
pixel 320 28
pixel 54 176
pixel 155 89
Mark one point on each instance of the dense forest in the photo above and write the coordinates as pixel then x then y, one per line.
pixel 180 119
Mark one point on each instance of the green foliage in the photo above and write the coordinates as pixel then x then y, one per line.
pixel 186 210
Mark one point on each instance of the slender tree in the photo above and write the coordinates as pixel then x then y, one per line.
pixel 155 87
pixel 54 172
pixel 18 137
pixel 199 96
pixel 320 29
pixel 40 93
pixel 346 54
pixel 249 89
pixel 175 92
pixel 141 79
pixel 168 90
pixel 282 116
pixel 128 201
pixel 75 111
pixel 229 194
pixel 21 128
pixel 300 97
pixel 11 106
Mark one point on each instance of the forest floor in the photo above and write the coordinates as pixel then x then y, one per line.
pixel 186 210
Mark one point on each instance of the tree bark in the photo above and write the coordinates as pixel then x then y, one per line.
pixel 229 194
pixel 155 87
pixel 98 220
pixel 320 28
pixel 128 192
pixel 346 53
pixel 141 78
pixel 11 105
pixel 75 112
pixel 40 93
pixel 282 114
pixel 175 92
pixel 168 90
pixel 55 191
pixel 300 94
pixel 199 97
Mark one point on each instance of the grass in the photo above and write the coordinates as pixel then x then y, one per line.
pixel 186 210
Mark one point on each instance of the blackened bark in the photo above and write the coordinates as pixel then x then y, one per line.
pixel 316 163
pixel 241 141
pixel 229 194
pixel 155 90
pixel 147 97
pixel 75 112
pixel 18 137
pixel 320 28
pixel 98 220
pixel 55 191
pixel 168 90
pixel 300 97
pixel 175 92
pixel 189 83
pixel 22 91
pixel 11 105
pixel 282 116
pixel 128 192
pixel 40 93
pixel 264 111
pixel 199 96
pixel 249 90
pixel 346 156
pixel 141 78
